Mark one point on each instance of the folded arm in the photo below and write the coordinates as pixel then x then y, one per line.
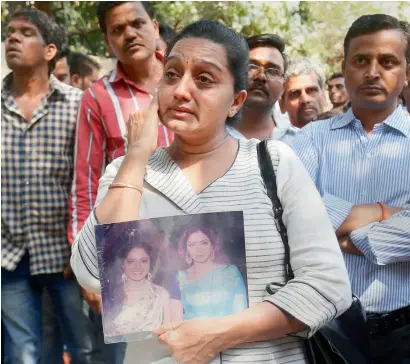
pixel 385 242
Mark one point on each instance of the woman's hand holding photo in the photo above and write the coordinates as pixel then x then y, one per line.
pixel 195 341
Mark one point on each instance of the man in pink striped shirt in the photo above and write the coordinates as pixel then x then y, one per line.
pixel 131 35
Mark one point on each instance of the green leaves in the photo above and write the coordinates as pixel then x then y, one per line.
pixel 310 29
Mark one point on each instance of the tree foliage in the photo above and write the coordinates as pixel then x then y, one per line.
pixel 310 29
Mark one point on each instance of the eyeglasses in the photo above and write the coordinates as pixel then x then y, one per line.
pixel 272 74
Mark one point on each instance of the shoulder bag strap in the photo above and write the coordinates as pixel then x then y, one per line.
pixel 269 178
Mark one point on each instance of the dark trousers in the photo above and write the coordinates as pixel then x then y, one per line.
pixel 392 348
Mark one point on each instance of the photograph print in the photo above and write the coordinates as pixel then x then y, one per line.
pixel 164 270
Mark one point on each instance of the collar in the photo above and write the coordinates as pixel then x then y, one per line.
pixel 119 74
pixel 54 86
pixel 340 121
pixel 398 120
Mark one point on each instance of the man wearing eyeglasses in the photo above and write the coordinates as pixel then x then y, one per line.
pixel 304 95
pixel 262 118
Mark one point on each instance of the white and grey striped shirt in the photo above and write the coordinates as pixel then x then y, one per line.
pixel 320 289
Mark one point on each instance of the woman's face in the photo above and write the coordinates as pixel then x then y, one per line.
pixel 137 264
pixel 197 91
pixel 199 247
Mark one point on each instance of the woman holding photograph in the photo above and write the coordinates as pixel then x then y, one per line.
pixel 209 287
pixel 206 170
pixel 146 306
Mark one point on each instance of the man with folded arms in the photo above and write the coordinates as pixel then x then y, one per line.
pixel 360 162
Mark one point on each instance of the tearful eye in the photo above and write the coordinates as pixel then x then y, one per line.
pixel 170 75
pixel 204 79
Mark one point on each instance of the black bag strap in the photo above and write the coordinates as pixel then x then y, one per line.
pixel 269 178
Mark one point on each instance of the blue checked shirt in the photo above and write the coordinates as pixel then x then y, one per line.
pixel 349 167
pixel 36 174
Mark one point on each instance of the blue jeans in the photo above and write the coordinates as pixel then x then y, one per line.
pixel 22 315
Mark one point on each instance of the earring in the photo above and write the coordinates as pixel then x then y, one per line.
pixel 124 278
pixel 149 276
pixel 406 83
pixel 188 259
pixel 213 255
pixel 232 113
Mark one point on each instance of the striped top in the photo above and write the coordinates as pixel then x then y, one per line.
pixel 349 168
pixel 101 125
pixel 320 289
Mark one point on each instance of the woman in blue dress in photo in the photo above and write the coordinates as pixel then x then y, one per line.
pixel 210 287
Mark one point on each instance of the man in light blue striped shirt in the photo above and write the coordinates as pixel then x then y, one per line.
pixel 360 162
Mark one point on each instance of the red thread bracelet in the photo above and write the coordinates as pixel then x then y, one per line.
pixel 383 211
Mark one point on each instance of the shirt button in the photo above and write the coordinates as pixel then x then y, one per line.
pixel 26 183
pixel 368 155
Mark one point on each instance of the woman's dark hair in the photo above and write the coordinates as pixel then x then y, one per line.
pixel 235 45
pixel 46 27
pixel 269 40
pixel 104 6
pixel 368 24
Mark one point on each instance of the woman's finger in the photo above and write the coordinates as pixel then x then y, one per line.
pixel 154 100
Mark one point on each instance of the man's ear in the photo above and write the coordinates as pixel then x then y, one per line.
pixel 107 44
pixel 75 81
pixel 50 52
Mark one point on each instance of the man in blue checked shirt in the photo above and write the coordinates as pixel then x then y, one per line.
pixel 360 162
pixel 38 116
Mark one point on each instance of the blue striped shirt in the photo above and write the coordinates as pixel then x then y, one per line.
pixel 349 167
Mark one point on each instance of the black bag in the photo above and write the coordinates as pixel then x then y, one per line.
pixel 344 340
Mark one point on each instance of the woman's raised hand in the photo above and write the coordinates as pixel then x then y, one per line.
pixel 142 129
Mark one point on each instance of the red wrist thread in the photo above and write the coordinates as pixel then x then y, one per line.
pixel 383 211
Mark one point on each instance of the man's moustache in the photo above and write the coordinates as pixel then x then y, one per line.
pixel 258 86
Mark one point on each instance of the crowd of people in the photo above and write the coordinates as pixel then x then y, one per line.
pixel 173 129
